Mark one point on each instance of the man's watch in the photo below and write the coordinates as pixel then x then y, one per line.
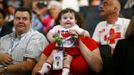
pixel 5 69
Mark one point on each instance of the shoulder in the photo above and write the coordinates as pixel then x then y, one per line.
pixel 121 41
pixel 124 42
pixel 8 36
pixel 75 27
pixel 101 24
pixel 56 27
pixel 127 40
pixel 124 20
pixel 37 35
pixel 125 45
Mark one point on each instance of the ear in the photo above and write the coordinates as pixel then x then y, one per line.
pixel 115 9
pixel 76 21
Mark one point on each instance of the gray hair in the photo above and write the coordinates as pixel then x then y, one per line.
pixel 54 3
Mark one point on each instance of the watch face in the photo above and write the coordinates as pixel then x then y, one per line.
pixel 5 68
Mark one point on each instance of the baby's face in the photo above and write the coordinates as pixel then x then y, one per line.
pixel 68 20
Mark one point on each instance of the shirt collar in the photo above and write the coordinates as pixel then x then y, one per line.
pixel 22 35
pixel 116 23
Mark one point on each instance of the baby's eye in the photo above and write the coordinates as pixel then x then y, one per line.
pixel 64 17
pixel 71 17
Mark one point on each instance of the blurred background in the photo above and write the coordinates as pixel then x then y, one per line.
pixel 44 12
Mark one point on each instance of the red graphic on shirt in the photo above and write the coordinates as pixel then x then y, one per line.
pixel 65 34
pixel 105 37
pixel 113 36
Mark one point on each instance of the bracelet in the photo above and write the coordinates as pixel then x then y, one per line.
pixel 5 69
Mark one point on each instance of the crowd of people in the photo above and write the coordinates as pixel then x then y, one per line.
pixel 48 37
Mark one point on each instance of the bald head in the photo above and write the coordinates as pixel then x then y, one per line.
pixel 114 3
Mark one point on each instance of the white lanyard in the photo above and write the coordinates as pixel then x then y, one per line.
pixel 16 41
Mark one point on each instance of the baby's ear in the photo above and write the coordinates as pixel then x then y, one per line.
pixel 76 21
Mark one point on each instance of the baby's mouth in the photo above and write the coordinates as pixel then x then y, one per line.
pixel 68 23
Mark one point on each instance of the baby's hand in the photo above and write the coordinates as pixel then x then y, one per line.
pixel 86 34
pixel 73 33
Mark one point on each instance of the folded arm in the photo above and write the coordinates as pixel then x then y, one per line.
pixel 20 68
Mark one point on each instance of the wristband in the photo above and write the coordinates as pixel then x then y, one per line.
pixel 5 69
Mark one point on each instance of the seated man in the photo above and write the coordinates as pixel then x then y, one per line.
pixel 20 49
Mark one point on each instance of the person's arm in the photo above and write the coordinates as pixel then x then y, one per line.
pixel 91 54
pixel 92 57
pixel 52 32
pixel 5 58
pixel 50 37
pixel 22 67
pixel 38 66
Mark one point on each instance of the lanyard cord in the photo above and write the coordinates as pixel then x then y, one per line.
pixel 15 43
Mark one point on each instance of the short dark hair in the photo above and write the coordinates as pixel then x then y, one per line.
pixel 23 9
pixel 3 13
